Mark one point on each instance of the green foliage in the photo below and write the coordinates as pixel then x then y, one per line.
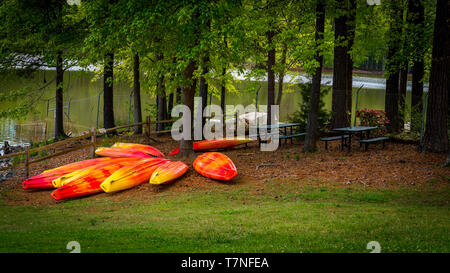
pixel 301 115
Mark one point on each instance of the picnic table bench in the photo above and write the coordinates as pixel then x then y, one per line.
pixel 354 130
pixel 372 140
pixel 343 138
pixel 260 135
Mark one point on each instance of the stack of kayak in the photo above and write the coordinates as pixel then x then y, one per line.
pixel 127 165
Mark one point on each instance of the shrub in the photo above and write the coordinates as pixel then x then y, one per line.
pixel 373 117
pixel 301 115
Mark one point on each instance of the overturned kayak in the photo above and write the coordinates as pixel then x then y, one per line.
pixel 86 184
pixel 140 147
pixel 211 144
pixel 67 178
pixel 132 175
pixel 215 165
pixel 168 172
pixel 44 180
pixel 121 152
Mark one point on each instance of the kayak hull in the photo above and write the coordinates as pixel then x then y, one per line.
pixel 86 184
pixel 44 179
pixel 121 152
pixel 168 172
pixel 223 143
pixel 215 166
pixel 132 175
pixel 140 147
pixel 67 178
pixel 212 144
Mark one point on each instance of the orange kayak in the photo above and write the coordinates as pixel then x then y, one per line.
pixel 168 172
pixel 132 175
pixel 87 184
pixel 67 178
pixel 121 152
pixel 211 144
pixel 216 166
pixel 44 180
pixel 140 147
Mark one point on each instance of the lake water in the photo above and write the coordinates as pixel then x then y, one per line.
pixel 82 93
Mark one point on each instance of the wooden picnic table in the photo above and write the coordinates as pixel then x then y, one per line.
pixel 353 130
pixel 285 126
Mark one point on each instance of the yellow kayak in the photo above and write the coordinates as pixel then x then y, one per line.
pixel 168 172
pixel 132 175
pixel 67 178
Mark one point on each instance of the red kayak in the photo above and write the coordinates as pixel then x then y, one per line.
pixel 89 183
pixel 121 152
pixel 140 147
pixel 211 144
pixel 44 180
pixel 215 165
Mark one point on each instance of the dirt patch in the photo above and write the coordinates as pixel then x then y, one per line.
pixel 398 164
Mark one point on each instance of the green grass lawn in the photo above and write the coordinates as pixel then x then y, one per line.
pixel 283 217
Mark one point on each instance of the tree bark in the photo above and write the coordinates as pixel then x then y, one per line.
pixel 204 86
pixel 313 115
pixel 161 98
pixel 223 89
pixel 108 101
pixel 281 74
pixel 186 149
pixel 178 95
pixel 402 93
pixel 270 75
pixel 137 95
pixel 222 97
pixel 342 68
pixel 170 105
pixel 59 109
pixel 416 20
pixel 351 37
pixel 393 68
pixel 435 138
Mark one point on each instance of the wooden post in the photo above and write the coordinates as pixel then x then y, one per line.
pixel 94 142
pixel 27 159
pixel 147 129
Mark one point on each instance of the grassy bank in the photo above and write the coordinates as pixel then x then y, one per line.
pixel 281 217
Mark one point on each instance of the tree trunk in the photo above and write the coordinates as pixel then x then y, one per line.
pixel 393 68
pixel 435 138
pixel 161 98
pixel 270 76
pixel 416 20
pixel 281 74
pixel 402 93
pixel 351 8
pixel 222 97
pixel 170 106
pixel 178 95
pixel 108 105
pixel 186 149
pixel 342 70
pixel 313 115
pixel 59 109
pixel 137 95
pixel 204 86
pixel 223 89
